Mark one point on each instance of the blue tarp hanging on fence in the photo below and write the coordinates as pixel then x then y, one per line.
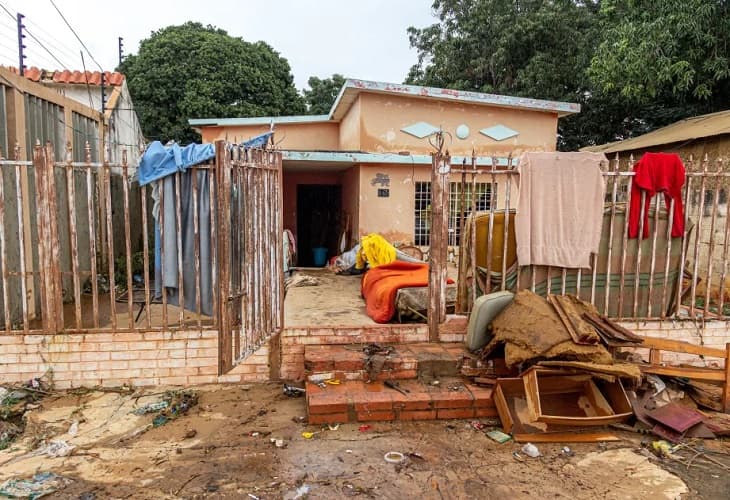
pixel 160 161
pixel 257 142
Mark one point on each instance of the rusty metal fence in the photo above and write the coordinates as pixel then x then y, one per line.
pixel 657 277
pixel 83 247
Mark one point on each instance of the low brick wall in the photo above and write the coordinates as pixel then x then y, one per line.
pixel 191 357
pixel 115 359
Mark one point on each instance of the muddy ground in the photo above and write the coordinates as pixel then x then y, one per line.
pixel 221 448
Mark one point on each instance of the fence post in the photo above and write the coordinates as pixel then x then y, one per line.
pixel 440 168
pixel 48 246
pixel 223 237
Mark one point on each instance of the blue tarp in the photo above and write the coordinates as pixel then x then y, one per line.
pixel 257 142
pixel 160 161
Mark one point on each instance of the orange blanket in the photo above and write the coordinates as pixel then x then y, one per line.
pixel 381 284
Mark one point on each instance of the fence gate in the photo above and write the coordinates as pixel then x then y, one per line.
pixel 250 250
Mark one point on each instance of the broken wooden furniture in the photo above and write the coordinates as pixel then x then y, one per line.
pixel 715 375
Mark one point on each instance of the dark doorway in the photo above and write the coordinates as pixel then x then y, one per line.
pixel 318 220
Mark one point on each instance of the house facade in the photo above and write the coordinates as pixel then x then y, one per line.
pixel 366 166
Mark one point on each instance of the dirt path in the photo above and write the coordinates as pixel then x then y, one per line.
pixel 222 449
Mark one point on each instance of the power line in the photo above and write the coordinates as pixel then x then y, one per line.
pixel 76 35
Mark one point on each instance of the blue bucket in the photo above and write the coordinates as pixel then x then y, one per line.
pixel 320 256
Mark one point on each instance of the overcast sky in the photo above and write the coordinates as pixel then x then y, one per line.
pixel 364 39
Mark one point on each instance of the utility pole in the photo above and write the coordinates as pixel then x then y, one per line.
pixel 21 45
pixel 121 49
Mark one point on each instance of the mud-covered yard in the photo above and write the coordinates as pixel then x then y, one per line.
pixel 247 442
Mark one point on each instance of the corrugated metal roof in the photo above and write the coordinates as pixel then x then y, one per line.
pixel 66 76
pixel 688 129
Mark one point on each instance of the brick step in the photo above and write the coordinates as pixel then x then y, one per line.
pixel 357 401
pixel 408 361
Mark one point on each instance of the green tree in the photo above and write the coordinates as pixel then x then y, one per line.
pixel 322 93
pixel 196 71
pixel 532 48
pixel 668 59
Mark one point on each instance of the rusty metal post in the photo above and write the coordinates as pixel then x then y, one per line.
pixel 441 166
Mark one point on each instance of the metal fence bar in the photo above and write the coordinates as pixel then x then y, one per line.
pixel 711 249
pixel 505 238
pixel 4 256
pixel 90 192
pixel 21 244
pixel 698 238
pixel 178 235
pixel 614 196
pixel 161 285
pixel 196 250
pixel 71 192
pixel 128 240
pixel 146 257
pixel 625 243
pixel 652 262
pixel 687 195
pixel 110 245
pixel 665 288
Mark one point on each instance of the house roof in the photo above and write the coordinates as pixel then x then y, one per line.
pixel 66 76
pixel 688 129
pixel 258 120
pixel 352 88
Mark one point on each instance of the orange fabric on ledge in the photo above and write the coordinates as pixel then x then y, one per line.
pixel 380 286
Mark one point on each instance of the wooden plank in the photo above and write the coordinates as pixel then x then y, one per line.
pixel 682 347
pixel 566 437
pixel 693 373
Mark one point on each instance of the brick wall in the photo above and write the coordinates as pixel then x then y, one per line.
pixel 110 360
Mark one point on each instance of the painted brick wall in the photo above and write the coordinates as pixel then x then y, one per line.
pixel 110 360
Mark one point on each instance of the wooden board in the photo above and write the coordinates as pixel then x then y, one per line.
pixel 566 437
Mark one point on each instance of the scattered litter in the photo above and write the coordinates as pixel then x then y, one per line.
pixel 531 450
pixel 517 456
pixel 298 419
pixel 333 381
pixel 333 427
pixel 477 425
pixel 365 428
pixel 499 436
pixel 662 448
pixel 279 443
pixel 191 434
pixel 348 451
pixel 42 484
pixel 435 382
pixel 321 377
pixel 301 492
pixel 566 451
pixel 300 279
pixel 294 392
pixel 151 407
pixel 74 428
pixel 308 434
pixel 58 449
pixel 394 457
pixel 413 454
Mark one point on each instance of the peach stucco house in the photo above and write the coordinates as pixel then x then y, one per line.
pixel 368 161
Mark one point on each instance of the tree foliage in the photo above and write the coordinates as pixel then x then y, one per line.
pixel 196 71
pixel 633 65
pixel 322 93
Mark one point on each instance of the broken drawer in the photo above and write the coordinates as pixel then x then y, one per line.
pixel 575 398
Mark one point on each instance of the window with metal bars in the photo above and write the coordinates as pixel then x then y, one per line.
pixel 485 196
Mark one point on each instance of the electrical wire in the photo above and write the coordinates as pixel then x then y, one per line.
pixel 62 65
pixel 76 35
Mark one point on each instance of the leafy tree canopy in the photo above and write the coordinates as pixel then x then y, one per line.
pixel 322 93
pixel 196 71
pixel 633 65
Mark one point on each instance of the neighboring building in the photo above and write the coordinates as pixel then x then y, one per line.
pixel 368 161
pixel 697 136
pixel 122 130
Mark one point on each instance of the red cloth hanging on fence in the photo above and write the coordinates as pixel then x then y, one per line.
pixel 657 173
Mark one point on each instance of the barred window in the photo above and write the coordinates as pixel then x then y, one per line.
pixel 485 193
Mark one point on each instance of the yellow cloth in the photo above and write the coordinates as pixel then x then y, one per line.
pixel 375 250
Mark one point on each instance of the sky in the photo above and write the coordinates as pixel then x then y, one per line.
pixel 364 39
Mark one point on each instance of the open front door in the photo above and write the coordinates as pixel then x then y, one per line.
pixel 250 250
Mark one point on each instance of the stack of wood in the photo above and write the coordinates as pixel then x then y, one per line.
pixel 612 334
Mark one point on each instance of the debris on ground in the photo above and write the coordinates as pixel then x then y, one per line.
pixel 15 401
pixel 40 485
